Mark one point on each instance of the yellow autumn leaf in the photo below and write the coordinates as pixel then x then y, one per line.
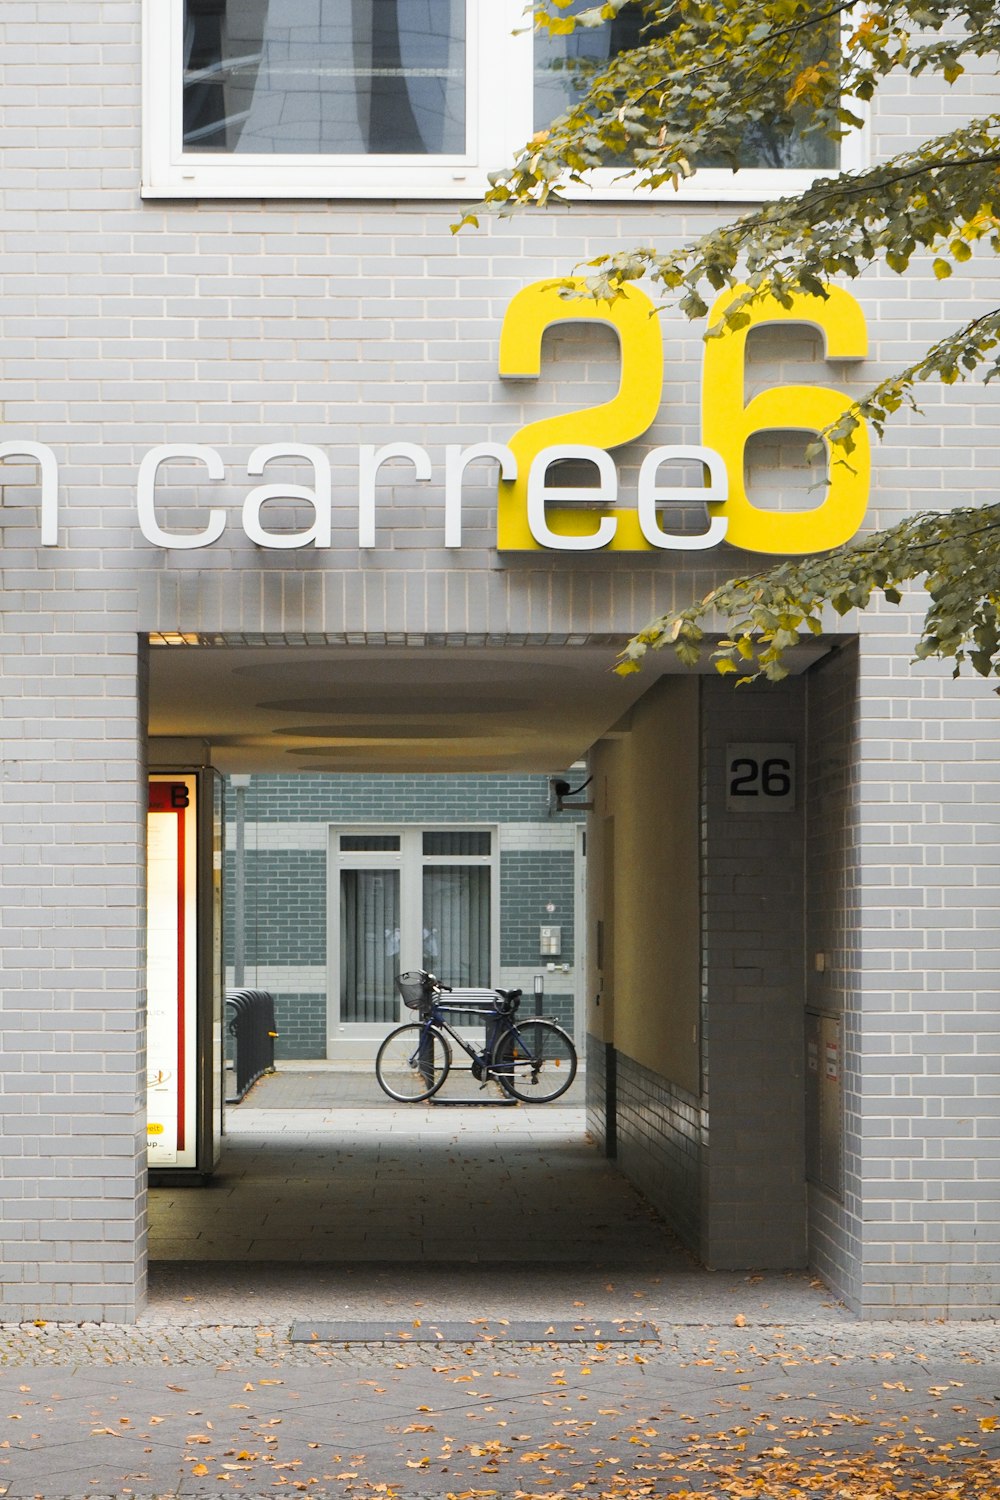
pixel 988 1424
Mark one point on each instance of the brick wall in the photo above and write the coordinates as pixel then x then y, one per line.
pixel 72 927
pixel 285 907
pixel 833 930
pixel 662 1137
pixel 531 880
pixel 929 1039
pixel 398 799
pixel 128 324
pixel 752 1026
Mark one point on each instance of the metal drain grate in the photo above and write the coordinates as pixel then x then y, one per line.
pixel 516 1330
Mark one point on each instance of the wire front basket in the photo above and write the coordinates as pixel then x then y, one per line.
pixel 413 988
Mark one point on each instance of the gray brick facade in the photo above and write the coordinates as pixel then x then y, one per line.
pixel 128 324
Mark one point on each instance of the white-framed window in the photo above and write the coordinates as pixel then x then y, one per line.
pixel 382 99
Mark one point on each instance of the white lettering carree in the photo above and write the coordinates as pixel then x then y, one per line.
pixel 319 498
pixel 605 493
pixel 146 497
pixel 49 470
pixel 651 494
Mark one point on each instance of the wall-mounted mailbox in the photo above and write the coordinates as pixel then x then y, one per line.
pixel 550 941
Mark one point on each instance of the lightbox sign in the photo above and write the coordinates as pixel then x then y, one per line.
pixel 172 971
pixel 536 515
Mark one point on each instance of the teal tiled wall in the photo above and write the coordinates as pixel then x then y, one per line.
pixel 285 910
pixel 530 881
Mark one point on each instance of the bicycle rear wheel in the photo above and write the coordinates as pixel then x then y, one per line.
pixel 535 1061
pixel 413 1062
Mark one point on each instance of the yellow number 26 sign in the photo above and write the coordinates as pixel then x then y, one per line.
pixel 534 513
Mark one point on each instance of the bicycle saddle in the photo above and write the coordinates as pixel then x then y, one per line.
pixel 508 1000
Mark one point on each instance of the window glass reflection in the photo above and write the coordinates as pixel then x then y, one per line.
pixel 565 64
pixel 325 77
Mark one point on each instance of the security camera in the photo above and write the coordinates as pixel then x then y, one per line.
pixel 559 790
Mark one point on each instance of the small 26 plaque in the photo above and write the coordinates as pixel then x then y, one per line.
pixel 760 778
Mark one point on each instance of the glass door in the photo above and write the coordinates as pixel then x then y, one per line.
pixel 369 945
pixel 408 899
pixel 367 927
pixel 456 879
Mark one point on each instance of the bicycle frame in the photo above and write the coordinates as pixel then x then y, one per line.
pixel 437 1017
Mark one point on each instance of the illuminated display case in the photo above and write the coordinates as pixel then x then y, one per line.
pixel 184 974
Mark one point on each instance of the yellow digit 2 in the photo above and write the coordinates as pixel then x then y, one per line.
pixel 727 423
pixel 624 417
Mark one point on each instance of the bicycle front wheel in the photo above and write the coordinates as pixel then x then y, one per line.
pixel 536 1061
pixel 413 1062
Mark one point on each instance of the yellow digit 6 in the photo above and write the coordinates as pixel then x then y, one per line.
pixel 727 424
pixel 624 417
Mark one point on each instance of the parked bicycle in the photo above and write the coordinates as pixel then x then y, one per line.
pixel 531 1059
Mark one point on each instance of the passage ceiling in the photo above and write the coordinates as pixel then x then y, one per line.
pixel 392 708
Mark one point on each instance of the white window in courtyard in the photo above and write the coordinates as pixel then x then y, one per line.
pixel 382 98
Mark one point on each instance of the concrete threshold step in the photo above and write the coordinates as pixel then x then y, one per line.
pixel 480 1330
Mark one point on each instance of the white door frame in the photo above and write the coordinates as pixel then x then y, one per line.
pixel 358 1041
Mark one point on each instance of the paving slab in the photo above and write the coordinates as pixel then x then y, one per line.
pixel 354 1212
pixel 712 1411
pixel 312 1086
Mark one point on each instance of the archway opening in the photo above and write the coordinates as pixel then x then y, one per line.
pixel 394 743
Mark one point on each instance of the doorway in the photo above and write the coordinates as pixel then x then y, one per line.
pixel 401 899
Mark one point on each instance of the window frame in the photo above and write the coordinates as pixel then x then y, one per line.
pixel 491 107
pixel 499 112
pixel 349 1038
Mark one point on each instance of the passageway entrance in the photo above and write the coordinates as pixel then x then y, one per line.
pixel 695 917
pixel 405 885
pixel 441 847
